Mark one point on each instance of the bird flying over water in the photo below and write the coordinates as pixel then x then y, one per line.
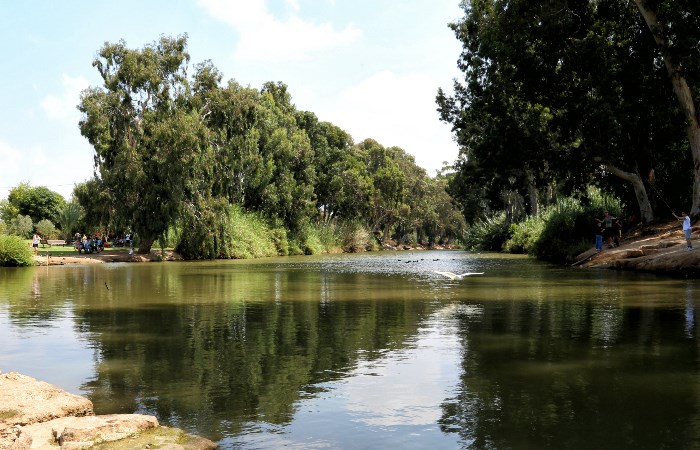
pixel 454 276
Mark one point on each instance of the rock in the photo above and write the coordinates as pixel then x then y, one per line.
pixel 37 415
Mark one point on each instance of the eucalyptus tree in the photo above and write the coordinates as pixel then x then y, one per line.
pixel 285 184
pixel 389 185
pixel 150 143
pixel 563 92
pixel 505 113
pixel 675 26
pixel 331 146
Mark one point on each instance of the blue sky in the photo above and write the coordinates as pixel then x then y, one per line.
pixel 372 67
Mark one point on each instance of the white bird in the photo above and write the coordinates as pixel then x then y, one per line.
pixel 454 276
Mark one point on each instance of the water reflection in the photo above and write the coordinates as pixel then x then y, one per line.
pixel 365 351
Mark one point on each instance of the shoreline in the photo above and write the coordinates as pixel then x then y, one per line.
pixel 654 248
pixel 657 248
pixel 105 256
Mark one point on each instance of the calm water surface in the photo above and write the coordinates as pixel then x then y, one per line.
pixel 369 351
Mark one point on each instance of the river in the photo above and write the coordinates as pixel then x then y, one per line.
pixel 368 351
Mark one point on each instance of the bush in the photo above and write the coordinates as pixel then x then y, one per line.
pixel 524 235
pixel 46 229
pixel 14 252
pixel 21 226
pixel 563 230
pixel 356 238
pixel 567 227
pixel 489 234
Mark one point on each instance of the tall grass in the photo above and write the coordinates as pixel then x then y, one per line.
pixel 488 234
pixel 14 252
pixel 564 229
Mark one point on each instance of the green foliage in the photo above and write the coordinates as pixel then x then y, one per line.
pixel 14 252
pixel 561 93
pixel 46 229
pixel 8 211
pixel 251 236
pixel 222 231
pixel 36 202
pixel 523 235
pixel 68 218
pixel 563 230
pixel 21 226
pixel 220 161
pixel 357 238
pixel 308 240
pixel 151 146
pixel 488 234
pixel 206 231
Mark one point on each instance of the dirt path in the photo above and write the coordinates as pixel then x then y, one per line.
pixel 106 256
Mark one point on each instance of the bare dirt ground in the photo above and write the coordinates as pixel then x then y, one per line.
pixel 657 248
pixel 106 256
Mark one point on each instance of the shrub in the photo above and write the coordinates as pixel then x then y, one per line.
pixel 21 226
pixel 46 229
pixel 569 224
pixel 14 252
pixel 524 235
pixel 249 235
pixel 356 238
pixel 488 234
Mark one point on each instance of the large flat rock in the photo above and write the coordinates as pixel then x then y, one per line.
pixel 35 415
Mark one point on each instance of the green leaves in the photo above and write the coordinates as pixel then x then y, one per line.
pixel 171 150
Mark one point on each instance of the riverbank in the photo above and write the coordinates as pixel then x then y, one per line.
pixel 657 248
pixel 122 255
pixel 107 256
pixel 38 415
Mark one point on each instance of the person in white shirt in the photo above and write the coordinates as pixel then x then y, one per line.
pixel 687 228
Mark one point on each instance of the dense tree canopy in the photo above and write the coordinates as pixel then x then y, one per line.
pixel 560 94
pixel 178 151
pixel 36 202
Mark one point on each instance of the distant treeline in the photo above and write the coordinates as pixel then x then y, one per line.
pixel 180 155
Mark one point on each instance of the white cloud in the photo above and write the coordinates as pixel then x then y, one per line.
pixel 63 106
pixel 396 111
pixel 264 37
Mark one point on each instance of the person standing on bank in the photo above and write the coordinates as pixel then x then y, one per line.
pixel 35 243
pixel 598 236
pixel 609 224
pixel 687 229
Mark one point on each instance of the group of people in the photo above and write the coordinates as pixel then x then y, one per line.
pixel 88 244
pixel 609 230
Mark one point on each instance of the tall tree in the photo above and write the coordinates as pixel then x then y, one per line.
pixel 149 142
pixel 37 202
pixel 676 31
pixel 563 92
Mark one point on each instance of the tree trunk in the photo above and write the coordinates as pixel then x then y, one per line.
pixel 640 191
pixel 685 98
pixel 145 246
pixel 532 191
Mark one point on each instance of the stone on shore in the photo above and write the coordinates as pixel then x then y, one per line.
pixel 38 415
pixel 663 252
